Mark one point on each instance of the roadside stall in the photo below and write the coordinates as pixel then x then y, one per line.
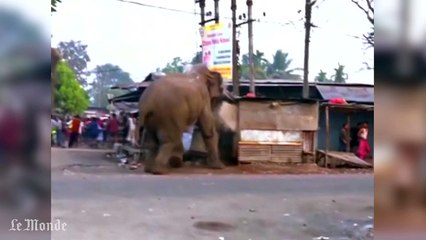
pixel 272 130
pixel 327 157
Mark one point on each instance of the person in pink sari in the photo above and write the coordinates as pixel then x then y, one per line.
pixel 364 147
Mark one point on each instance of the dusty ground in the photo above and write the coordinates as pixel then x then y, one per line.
pixel 97 201
pixel 270 168
pixel 245 168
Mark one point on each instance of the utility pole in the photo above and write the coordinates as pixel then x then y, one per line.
pixel 250 38
pixel 405 64
pixel 235 74
pixel 202 4
pixel 308 24
pixel 216 11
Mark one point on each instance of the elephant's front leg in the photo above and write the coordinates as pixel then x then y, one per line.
pixel 211 138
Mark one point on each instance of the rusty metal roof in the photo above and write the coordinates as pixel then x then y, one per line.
pixel 349 107
pixel 126 106
pixel 361 94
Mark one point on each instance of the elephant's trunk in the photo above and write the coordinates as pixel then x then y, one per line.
pixel 226 116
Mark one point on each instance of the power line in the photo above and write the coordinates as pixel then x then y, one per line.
pixel 195 12
pixel 158 7
pixel 279 23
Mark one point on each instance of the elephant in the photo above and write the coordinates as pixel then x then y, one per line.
pixel 170 105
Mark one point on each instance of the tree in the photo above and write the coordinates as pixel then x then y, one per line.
pixel 280 67
pixel 53 4
pixel 367 6
pixel 260 66
pixel 75 53
pixel 70 95
pixel 176 66
pixel 198 58
pixel 322 77
pixel 107 76
pixel 339 74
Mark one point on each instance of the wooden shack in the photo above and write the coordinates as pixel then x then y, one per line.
pixel 276 130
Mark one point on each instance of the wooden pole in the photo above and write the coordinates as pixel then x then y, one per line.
pixel 308 25
pixel 216 11
pixel 202 12
pixel 405 63
pixel 348 136
pixel 327 134
pixel 235 74
pixel 250 39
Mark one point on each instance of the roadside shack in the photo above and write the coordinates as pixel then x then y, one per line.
pixel 334 116
pixel 274 130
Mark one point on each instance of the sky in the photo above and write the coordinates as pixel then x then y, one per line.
pixel 141 39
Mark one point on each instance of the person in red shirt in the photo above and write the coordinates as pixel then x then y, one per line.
pixel 113 127
pixel 75 131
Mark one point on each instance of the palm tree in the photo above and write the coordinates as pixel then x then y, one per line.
pixel 322 77
pixel 339 74
pixel 260 66
pixel 280 67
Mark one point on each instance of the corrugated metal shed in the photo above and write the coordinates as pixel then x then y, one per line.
pixel 361 94
pixel 126 106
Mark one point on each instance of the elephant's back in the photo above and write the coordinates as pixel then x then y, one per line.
pixel 173 96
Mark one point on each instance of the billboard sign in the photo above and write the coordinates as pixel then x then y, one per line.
pixel 217 48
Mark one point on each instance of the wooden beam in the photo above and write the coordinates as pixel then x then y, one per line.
pixel 327 134
pixel 348 136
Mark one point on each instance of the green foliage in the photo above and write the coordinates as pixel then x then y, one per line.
pixel 53 4
pixel 176 66
pixel 69 95
pixel 339 74
pixel 279 68
pixel 107 76
pixel 198 58
pixel 322 77
pixel 75 53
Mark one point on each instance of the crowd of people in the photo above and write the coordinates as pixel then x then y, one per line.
pixel 93 131
pixel 358 140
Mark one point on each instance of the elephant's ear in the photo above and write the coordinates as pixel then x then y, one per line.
pixel 213 80
pixel 214 84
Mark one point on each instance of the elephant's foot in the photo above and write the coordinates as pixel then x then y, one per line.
pixel 157 170
pixel 175 162
pixel 147 169
pixel 216 165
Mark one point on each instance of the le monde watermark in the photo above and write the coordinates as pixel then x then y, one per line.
pixel 34 225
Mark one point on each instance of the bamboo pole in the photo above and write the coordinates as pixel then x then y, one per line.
pixel 327 134
pixel 348 136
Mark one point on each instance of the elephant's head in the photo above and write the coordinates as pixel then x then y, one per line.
pixel 213 80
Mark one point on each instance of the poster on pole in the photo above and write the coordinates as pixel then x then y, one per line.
pixel 217 48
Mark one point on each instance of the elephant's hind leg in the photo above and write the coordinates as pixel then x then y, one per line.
pixel 150 144
pixel 176 160
pixel 161 162
pixel 170 153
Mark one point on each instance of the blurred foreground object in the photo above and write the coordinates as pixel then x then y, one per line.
pixel 400 121
pixel 25 103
